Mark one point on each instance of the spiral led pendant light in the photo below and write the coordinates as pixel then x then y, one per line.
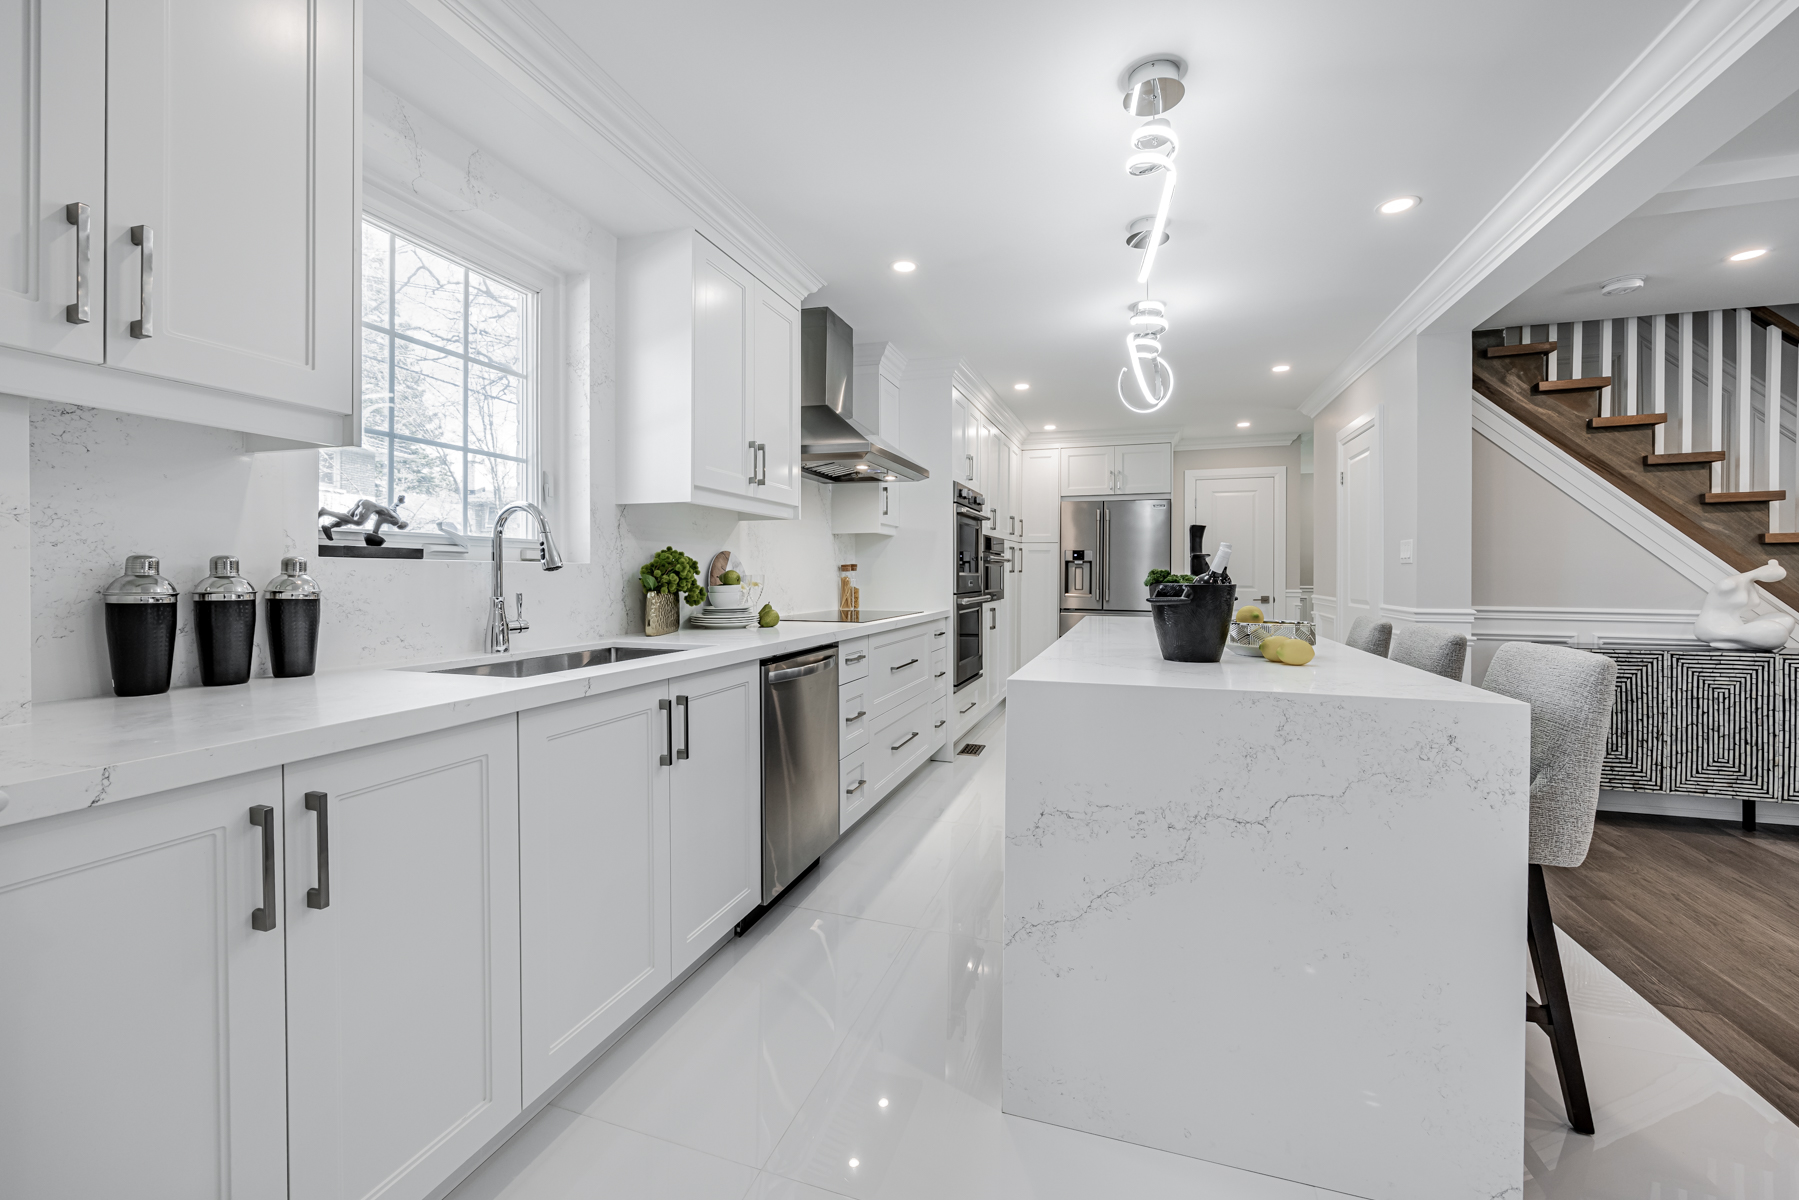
pixel 1151 89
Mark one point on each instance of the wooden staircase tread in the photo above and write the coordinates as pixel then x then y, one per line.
pixel 1742 497
pixel 1634 420
pixel 1696 456
pixel 1521 348
pixel 1779 539
pixel 1591 384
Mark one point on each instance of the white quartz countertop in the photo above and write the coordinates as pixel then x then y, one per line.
pixel 1122 652
pixel 74 754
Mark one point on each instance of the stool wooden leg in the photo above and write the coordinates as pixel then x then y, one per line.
pixel 1555 1015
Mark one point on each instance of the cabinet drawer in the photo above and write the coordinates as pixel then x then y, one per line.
pixel 852 660
pixel 858 792
pixel 852 718
pixel 897 743
pixel 939 714
pixel 898 665
pixel 939 662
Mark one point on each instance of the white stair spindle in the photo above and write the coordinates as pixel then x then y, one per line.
pixel 1630 366
pixel 1553 355
pixel 1686 383
pixel 1606 366
pixel 1658 357
pixel 1714 378
pixel 1773 405
pixel 1745 466
pixel 1577 368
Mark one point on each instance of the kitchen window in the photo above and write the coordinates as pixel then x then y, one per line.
pixel 448 420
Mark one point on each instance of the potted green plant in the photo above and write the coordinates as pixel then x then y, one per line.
pixel 1158 577
pixel 665 579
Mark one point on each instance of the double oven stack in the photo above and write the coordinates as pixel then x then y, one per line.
pixel 980 580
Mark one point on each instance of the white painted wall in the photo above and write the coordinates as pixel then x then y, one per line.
pixel 1244 456
pixel 104 485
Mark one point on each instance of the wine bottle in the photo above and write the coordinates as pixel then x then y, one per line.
pixel 1218 572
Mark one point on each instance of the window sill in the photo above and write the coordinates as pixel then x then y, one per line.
pixel 438 548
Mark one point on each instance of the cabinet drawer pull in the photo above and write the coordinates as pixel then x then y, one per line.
pixel 940 633
pixel 857 717
pixel 686 726
pixel 320 896
pixel 145 326
pixel 263 919
pixel 851 791
pixel 854 658
pixel 903 665
pixel 940 724
pixel 752 464
pixel 78 312
pixel 940 675
pixel 668 712
pixel 904 740
pixel 971 704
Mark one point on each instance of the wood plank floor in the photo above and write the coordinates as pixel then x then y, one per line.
pixel 1702 920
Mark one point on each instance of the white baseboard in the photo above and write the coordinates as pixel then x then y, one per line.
pixel 1459 619
pixel 1710 808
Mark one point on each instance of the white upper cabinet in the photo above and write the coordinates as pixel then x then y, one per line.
pixel 709 381
pixel 1040 515
pixel 220 264
pixel 1145 468
pixel 1088 471
pixel 52 161
pixel 1015 491
pixel 866 508
pixel 961 439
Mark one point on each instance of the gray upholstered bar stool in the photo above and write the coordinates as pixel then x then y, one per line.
pixel 1368 634
pixel 1570 698
pixel 1429 649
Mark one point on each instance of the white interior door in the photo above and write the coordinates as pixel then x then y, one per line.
pixel 1358 528
pixel 1246 508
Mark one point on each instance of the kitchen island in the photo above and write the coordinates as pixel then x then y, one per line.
pixel 1269 916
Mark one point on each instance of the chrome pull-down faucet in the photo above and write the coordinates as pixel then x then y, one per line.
pixel 499 628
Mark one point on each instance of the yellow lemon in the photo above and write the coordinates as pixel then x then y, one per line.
pixel 1295 653
pixel 1271 647
pixel 1249 614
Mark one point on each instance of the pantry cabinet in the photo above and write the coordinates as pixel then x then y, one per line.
pixel 144 1051
pixel 709 381
pixel 1041 504
pixel 402 960
pixel 215 243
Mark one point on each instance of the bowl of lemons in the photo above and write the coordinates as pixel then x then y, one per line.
pixel 1290 643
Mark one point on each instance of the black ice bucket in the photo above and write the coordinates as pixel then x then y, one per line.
pixel 1192 620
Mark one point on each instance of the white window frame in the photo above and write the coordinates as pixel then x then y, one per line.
pixel 459 239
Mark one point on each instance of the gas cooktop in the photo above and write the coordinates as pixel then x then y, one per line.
pixel 865 614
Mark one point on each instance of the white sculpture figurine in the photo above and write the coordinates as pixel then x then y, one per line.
pixel 1727 621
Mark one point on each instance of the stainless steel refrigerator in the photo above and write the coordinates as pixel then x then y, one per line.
pixel 1108 546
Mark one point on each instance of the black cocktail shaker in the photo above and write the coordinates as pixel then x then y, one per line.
pixel 293 599
pixel 140 628
pixel 224 623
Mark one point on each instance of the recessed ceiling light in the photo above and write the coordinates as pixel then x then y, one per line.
pixel 1746 255
pixel 1021 387
pixel 1242 424
pixel 854 1163
pixel 905 267
pixel 1049 427
pixel 1399 204
pixel 1279 368
pixel 883 1102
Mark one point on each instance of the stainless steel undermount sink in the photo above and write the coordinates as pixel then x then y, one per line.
pixel 549 664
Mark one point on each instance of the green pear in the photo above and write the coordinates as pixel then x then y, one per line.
pixel 768 618
pixel 730 579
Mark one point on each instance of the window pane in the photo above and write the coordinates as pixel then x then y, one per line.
pixel 374 274
pixel 493 422
pixel 493 484
pixel 349 473
pixel 494 319
pixel 427 295
pixel 431 480
pixel 427 393
pixel 376 397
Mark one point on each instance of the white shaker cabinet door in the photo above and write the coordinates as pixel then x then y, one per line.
pixel 724 457
pixel 1040 516
pixel 231 226
pixel 1146 468
pixel 52 161
pixel 1087 471
pixel 593 856
pixel 715 807
pixel 775 367
pixel 142 1049
pixel 402 960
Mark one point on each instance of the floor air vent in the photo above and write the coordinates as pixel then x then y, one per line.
pixel 971 748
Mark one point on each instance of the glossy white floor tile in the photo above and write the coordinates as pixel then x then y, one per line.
pixel 764 1076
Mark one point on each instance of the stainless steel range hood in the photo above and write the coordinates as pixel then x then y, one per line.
pixel 834 445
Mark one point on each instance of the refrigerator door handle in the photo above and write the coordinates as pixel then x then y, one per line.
pixel 1105 557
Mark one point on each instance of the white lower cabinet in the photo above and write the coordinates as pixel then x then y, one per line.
pixel 402 960
pixel 143 1050
pixel 715 807
pixel 593 865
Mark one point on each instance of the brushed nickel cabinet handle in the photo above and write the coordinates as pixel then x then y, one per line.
pixel 857 717
pixel 145 326
pixel 668 711
pixel 971 704
pixel 903 740
pixel 851 791
pixel 762 457
pixel 903 665
pixel 263 816
pixel 854 658
pixel 939 725
pixel 78 313
pixel 752 463
pixel 320 896
pixel 686 726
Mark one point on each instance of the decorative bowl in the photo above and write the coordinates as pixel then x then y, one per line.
pixel 1246 637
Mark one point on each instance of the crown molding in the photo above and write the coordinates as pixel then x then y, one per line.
pixel 524 47
pixel 885 357
pixel 1705 39
pixel 1230 442
pixel 960 374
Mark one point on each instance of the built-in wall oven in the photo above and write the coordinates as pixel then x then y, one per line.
pixel 995 558
pixel 970 518
pixel 968 638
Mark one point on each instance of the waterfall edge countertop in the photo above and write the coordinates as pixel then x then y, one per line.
pixel 1268 916
pixel 74 754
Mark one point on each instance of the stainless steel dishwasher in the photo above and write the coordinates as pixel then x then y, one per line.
pixel 800 770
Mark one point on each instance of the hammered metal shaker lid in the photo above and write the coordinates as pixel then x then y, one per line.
pixel 224 583
pixel 293 583
pixel 140 584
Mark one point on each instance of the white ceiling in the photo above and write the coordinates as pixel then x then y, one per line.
pixel 1746 195
pixel 986 142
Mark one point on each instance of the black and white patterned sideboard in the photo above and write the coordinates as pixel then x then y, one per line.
pixel 1702 722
